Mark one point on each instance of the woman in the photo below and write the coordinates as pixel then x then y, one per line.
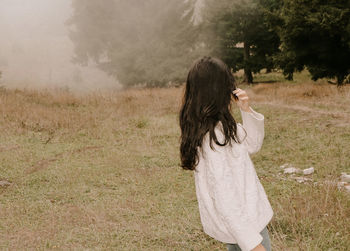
pixel 233 205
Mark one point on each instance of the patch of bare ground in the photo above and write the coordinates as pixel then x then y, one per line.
pixel 313 99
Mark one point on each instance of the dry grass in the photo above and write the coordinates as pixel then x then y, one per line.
pixel 101 171
pixel 313 98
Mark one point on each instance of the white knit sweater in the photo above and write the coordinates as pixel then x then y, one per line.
pixel 232 202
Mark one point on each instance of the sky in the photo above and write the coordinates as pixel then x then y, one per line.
pixel 35 51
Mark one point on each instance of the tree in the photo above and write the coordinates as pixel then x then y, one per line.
pixel 314 34
pixel 138 42
pixel 242 22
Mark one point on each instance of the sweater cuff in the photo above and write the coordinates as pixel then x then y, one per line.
pixel 253 114
pixel 254 240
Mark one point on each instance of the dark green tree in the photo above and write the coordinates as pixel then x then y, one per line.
pixel 314 34
pixel 138 42
pixel 241 37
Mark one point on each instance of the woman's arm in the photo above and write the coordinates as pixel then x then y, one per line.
pixel 253 123
pixel 243 99
pixel 252 131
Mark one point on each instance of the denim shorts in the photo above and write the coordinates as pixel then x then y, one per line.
pixel 265 242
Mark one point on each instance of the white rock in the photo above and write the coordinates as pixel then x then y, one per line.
pixel 301 179
pixel 345 177
pixel 308 170
pixel 284 165
pixel 341 184
pixel 290 170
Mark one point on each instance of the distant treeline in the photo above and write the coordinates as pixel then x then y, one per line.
pixel 154 42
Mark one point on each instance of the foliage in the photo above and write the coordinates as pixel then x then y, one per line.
pixel 242 22
pixel 153 42
pixel 314 34
pixel 153 47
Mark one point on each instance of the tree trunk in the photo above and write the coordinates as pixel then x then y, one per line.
pixel 248 76
pixel 340 80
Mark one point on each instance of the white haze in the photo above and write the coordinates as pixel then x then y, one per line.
pixel 35 51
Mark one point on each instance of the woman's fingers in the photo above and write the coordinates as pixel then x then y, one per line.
pixel 243 99
pixel 239 93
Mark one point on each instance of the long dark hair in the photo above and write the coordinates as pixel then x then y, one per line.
pixel 207 100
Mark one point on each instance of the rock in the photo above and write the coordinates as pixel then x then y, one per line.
pixel 291 170
pixel 341 184
pixel 4 183
pixel 284 165
pixel 345 177
pixel 301 179
pixel 308 171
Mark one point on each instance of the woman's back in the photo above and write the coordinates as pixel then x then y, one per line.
pixel 232 202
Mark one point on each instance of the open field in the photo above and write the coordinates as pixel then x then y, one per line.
pixel 101 171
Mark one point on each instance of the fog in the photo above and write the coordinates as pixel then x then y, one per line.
pixel 35 51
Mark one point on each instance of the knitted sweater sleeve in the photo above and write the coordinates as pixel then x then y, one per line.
pixel 224 190
pixel 252 131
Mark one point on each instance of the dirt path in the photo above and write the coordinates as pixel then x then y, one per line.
pixel 335 114
pixel 336 118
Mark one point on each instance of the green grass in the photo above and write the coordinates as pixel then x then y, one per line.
pixel 103 174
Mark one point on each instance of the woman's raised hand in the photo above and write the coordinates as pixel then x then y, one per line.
pixel 243 100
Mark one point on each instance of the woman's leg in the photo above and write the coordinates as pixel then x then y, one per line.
pixel 266 239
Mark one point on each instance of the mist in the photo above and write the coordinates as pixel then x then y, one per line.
pixel 36 52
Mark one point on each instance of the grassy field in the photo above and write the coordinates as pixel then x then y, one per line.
pixel 101 171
